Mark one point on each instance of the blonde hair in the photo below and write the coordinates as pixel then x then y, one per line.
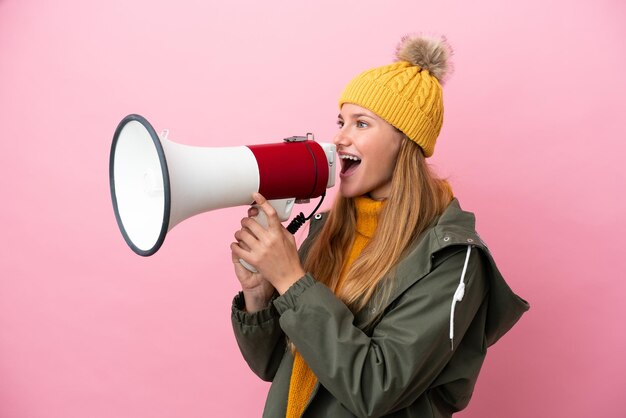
pixel 416 199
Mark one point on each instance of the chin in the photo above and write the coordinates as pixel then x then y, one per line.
pixel 350 193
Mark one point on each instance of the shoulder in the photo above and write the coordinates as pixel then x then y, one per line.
pixel 442 247
pixel 451 232
pixel 456 226
pixel 316 223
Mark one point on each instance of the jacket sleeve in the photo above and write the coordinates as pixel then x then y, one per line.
pixel 378 374
pixel 259 336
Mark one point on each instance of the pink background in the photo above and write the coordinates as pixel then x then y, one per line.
pixel 533 143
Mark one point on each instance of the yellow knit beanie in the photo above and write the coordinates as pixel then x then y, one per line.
pixel 407 93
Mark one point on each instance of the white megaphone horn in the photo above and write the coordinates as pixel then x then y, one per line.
pixel 157 183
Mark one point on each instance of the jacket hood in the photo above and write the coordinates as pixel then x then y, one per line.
pixel 458 227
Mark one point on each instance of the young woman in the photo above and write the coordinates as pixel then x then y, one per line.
pixel 390 304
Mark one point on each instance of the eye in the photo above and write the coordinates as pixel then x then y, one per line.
pixel 361 124
pixel 340 123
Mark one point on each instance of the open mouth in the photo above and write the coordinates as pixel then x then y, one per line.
pixel 349 163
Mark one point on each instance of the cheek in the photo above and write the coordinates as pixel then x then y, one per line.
pixel 383 149
pixel 388 158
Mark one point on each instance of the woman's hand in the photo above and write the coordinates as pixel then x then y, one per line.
pixel 271 251
pixel 257 291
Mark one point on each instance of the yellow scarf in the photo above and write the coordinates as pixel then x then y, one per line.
pixel 303 380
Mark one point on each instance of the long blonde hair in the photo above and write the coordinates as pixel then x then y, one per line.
pixel 416 199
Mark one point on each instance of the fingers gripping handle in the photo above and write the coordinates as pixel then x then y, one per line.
pixel 261 218
pixel 283 209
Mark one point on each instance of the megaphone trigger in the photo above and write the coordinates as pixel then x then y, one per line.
pixel 248 266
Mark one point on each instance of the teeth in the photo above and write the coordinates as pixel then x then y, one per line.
pixel 349 157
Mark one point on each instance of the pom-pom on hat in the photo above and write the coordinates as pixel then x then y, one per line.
pixel 407 93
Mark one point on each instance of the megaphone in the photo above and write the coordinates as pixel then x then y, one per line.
pixel 157 183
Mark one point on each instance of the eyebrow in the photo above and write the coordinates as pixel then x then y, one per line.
pixel 356 115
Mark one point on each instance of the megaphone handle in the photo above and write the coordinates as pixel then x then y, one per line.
pixel 283 209
pixel 261 218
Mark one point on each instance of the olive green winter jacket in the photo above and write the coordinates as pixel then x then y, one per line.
pixel 405 364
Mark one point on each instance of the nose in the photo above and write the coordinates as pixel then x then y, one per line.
pixel 341 138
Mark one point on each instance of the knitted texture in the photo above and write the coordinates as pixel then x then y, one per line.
pixel 303 379
pixel 405 96
pixel 301 387
pixel 367 211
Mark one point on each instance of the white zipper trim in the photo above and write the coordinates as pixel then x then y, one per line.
pixel 458 296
